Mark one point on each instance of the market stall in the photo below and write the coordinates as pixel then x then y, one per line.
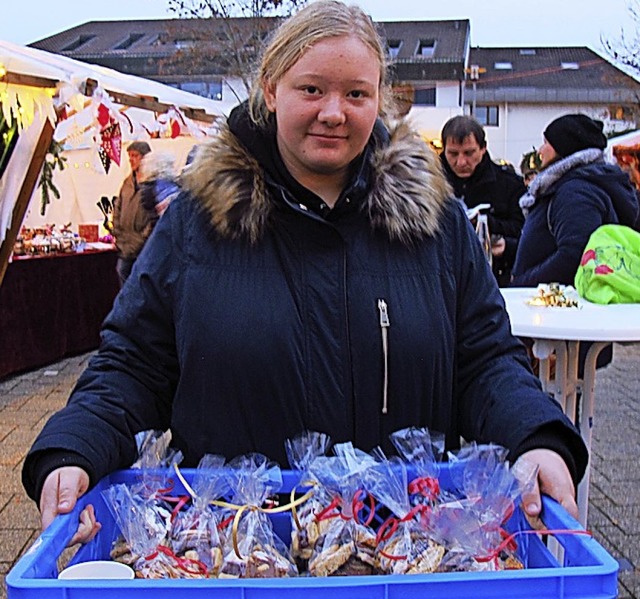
pixel 64 127
pixel 625 151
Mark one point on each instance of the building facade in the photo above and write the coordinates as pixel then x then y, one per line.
pixel 436 74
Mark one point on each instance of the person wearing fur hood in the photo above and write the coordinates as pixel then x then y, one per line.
pixel 314 274
pixel 575 192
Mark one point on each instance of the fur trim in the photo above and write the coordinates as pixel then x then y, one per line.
pixel 554 172
pixel 229 184
pixel 409 188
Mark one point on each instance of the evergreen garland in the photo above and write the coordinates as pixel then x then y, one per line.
pixel 8 139
pixel 53 159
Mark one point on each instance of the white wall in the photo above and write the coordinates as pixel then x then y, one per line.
pixel 429 120
pixel 521 127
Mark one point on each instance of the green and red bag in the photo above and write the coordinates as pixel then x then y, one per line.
pixel 609 271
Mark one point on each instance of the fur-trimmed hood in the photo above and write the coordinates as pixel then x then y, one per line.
pixel 408 187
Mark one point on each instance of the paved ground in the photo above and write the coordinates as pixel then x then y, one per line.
pixel 26 402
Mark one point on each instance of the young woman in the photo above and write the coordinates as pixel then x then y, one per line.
pixel 307 233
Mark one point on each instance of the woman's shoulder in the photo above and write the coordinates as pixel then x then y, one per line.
pixel 409 191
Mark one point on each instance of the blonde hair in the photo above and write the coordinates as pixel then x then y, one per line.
pixel 318 21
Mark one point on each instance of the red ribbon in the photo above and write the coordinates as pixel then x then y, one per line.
pixel 356 506
pixel 390 525
pixel 509 540
pixel 224 523
pixel 427 486
pixel 190 566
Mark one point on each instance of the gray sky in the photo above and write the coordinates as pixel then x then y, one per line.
pixel 493 22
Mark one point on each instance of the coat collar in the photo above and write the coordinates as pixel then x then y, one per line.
pixel 407 194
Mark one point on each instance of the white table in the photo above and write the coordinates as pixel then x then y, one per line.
pixel 560 331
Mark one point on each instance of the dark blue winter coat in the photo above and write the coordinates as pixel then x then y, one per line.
pixel 565 215
pixel 249 318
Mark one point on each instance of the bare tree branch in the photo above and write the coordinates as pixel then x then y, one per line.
pixel 228 37
pixel 625 49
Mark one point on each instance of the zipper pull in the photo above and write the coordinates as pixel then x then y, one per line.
pixel 384 315
pixel 384 325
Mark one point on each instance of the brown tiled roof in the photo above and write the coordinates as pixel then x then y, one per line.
pixel 110 42
pixel 451 37
pixel 134 38
pixel 562 74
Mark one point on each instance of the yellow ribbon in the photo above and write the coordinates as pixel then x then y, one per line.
pixel 239 509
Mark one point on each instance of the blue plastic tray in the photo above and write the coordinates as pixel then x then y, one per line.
pixel 586 571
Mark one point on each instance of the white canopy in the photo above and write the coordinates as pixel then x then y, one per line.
pixel 34 84
pixel 38 63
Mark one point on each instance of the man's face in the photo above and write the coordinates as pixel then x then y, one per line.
pixel 463 158
pixel 134 160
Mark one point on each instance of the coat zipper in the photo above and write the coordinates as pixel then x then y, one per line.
pixel 384 325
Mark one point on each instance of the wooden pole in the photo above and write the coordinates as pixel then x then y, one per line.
pixel 24 196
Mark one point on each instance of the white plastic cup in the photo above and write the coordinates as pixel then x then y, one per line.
pixel 99 569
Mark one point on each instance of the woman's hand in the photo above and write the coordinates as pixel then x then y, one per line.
pixel 59 496
pixel 553 479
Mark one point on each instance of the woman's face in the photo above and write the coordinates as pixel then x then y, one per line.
pixel 547 153
pixel 326 105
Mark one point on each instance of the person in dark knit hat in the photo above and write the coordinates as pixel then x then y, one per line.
pixel 574 193
pixel 571 133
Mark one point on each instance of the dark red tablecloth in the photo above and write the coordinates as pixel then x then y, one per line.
pixel 53 307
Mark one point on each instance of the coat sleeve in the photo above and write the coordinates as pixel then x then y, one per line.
pixel 129 384
pixel 499 398
pixel 575 212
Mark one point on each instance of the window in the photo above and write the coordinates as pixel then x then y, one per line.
pixel 131 39
pixel 426 48
pixel 394 47
pixel 77 43
pixel 570 66
pixel 527 52
pixel 206 89
pixel 621 113
pixel 425 97
pixel 487 116
pixel 503 66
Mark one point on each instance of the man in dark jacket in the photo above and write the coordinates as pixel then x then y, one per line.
pixel 476 179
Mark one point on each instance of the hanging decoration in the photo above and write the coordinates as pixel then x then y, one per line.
pixel 110 134
pixel 105 160
pixel 8 138
pixel 107 122
pixel 54 159
pixel 111 142
pixel 104 118
pixel 174 123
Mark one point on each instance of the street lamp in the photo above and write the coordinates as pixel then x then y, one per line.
pixel 474 72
